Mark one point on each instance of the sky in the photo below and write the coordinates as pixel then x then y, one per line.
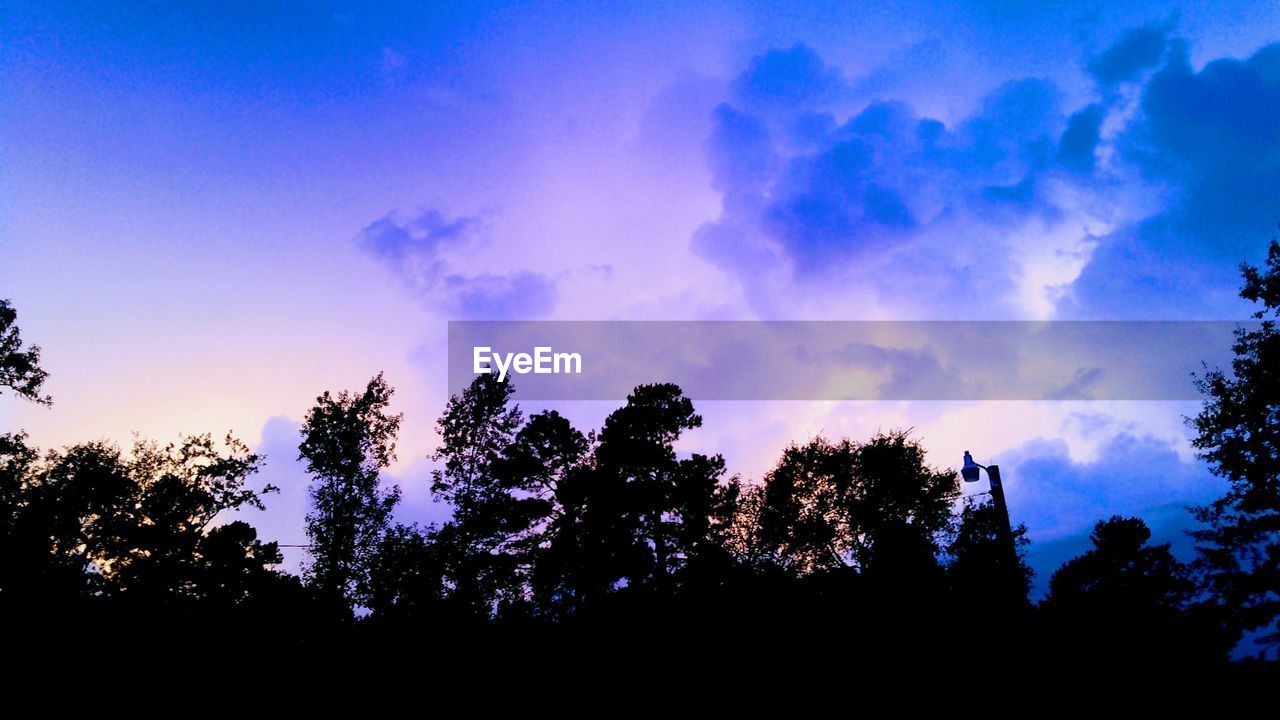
pixel 209 214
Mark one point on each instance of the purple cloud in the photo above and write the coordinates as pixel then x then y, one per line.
pixel 422 251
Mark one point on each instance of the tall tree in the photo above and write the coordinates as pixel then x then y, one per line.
pixel 802 527
pixel 1238 433
pixel 347 441
pixel 20 369
pixel 540 468
pixel 637 456
pixel 476 432
pixel 1120 573
pixel 591 542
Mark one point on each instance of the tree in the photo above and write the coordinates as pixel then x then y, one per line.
pixel 662 502
pixel 541 465
pixel 178 491
pixel 60 511
pixel 235 568
pixel 19 369
pixel 802 525
pixel 982 575
pixel 590 542
pixel 476 433
pixel 1121 573
pixel 92 520
pixel 406 582
pixel 703 506
pixel 867 506
pixel 745 537
pixel 347 441
pixel 1125 599
pixel 1238 434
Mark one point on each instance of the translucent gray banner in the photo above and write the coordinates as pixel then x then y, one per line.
pixel 839 360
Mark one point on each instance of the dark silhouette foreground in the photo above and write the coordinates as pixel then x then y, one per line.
pixel 612 544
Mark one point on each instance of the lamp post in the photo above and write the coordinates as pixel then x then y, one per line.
pixel 970 472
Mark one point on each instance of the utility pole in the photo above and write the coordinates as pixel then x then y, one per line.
pixel 970 474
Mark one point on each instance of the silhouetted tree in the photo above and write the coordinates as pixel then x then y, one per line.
pixel 1126 600
pixel 235 568
pixel 834 505
pixel 21 552
pixel 476 432
pixel 590 544
pixel 984 578
pixel 1238 433
pixel 662 503
pixel 59 510
pixel 347 441
pixel 704 506
pixel 540 466
pixel 91 520
pixel 745 538
pixel 20 369
pixel 406 578
pixel 178 491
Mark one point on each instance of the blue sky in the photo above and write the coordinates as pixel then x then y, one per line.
pixel 208 215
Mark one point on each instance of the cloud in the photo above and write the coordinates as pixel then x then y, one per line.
pixel 787 79
pixel 1137 50
pixel 1061 499
pixel 1137 204
pixel 284 519
pixel 1078 145
pixel 882 198
pixel 1168 523
pixel 489 296
pixel 1132 475
pixel 424 251
pixel 423 237
pixel 1208 143
pixel 911 372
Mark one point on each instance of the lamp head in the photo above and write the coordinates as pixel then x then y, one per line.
pixel 970 470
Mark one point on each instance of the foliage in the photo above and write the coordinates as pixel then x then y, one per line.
pixel 1238 434
pixel 20 369
pixel 347 441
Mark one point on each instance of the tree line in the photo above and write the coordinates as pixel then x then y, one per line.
pixel 556 530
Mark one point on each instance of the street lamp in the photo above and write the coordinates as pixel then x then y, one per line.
pixel 970 472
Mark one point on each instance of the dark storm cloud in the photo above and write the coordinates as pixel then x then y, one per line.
pixel 1210 141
